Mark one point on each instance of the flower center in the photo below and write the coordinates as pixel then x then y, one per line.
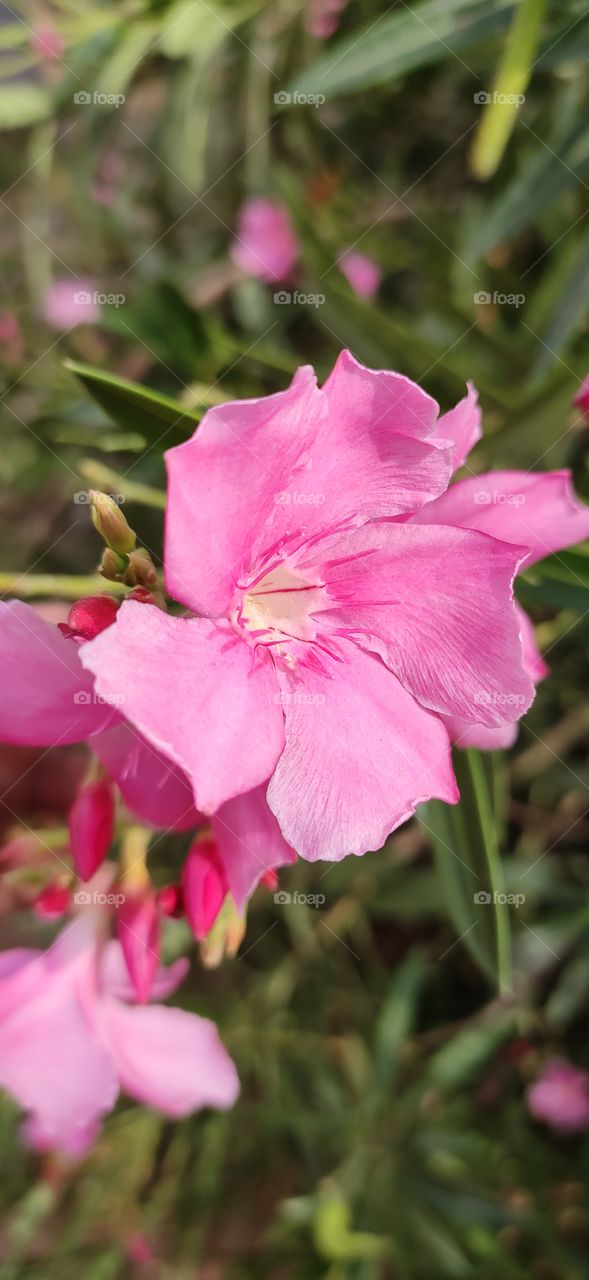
pixel 278 606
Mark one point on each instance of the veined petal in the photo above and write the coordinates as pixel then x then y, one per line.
pixel 198 692
pixel 360 755
pixel 437 604
pixel 47 697
pixel 537 510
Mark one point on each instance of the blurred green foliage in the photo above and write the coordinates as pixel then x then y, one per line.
pixel 381 1133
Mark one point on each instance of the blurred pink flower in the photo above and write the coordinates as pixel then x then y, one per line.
pixel 49 700
pixel 11 338
pixel 70 302
pixel 582 398
pixel 362 273
pixel 47 42
pixel 322 17
pixel 265 245
pixel 560 1097
pixel 341 611
pixel 70 1040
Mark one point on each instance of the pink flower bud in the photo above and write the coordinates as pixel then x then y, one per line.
pixel 91 824
pixel 53 901
pixel 89 616
pixel 170 900
pixel 205 886
pixel 138 933
pixel 270 881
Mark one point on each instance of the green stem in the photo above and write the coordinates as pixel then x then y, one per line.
pixel 58 585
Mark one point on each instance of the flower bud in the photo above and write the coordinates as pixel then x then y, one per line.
pixel 138 934
pixel 112 566
pixel 91 824
pixel 52 901
pixel 170 901
pixel 270 880
pixel 111 524
pixel 140 570
pixel 88 617
pixel 204 885
pixel 225 937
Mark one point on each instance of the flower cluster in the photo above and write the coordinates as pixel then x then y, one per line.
pixel 337 613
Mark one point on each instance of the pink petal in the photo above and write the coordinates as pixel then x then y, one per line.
pixel 51 1060
pixel 360 755
pixel 70 1141
pixel 168 1058
pixel 266 245
pixel 222 487
pixel 437 604
pixel 195 690
pixel 257 472
pixel 500 738
pixel 537 510
pixel 462 425
pixel 362 273
pixel 47 698
pixel 153 788
pixel 250 842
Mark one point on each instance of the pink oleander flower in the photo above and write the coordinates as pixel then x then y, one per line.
pixel 345 605
pixel 71 1039
pixel 362 273
pixel 560 1097
pixel 266 245
pixel 50 700
pixel 70 302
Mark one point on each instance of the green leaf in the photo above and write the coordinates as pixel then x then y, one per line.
pixel 402 41
pixel 397 1018
pixel 22 105
pixel 466 847
pixel 136 408
pixel 509 87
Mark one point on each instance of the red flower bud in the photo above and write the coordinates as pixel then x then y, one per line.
pixel 52 901
pixel 270 880
pixel 170 901
pixel 88 617
pixel 91 824
pixel 205 886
